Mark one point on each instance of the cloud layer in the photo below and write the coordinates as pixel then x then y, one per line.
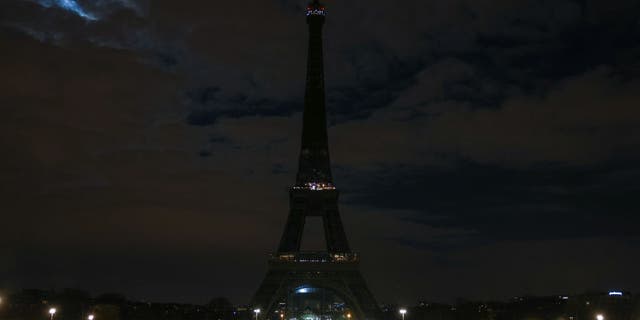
pixel 470 139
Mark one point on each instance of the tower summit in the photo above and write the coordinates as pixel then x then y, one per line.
pixel 314 167
pixel 323 278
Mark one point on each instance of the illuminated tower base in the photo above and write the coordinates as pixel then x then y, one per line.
pixel 296 272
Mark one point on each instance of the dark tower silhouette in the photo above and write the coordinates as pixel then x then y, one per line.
pixel 314 194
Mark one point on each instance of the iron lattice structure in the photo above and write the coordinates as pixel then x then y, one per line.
pixel 337 268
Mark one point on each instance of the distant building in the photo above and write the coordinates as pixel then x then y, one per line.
pixel 611 305
pixel 77 305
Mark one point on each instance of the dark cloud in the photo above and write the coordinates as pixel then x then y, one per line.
pixel 207 108
pixel 499 204
pixel 475 140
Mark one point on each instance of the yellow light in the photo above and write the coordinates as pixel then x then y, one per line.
pixel 349 315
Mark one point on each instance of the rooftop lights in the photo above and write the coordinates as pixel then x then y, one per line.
pixel 316 186
pixel 312 11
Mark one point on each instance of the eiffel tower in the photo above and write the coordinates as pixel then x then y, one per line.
pixel 314 195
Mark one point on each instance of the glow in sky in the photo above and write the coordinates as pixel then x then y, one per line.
pixel 69 5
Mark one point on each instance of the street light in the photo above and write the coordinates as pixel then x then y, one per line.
pixel 349 315
pixel 599 317
pixel 90 317
pixel 256 311
pixel 52 312
pixel 403 312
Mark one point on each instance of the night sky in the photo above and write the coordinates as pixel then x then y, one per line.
pixel 483 148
